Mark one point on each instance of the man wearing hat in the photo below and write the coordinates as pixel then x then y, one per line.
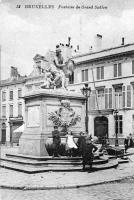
pixel 56 141
pixel 88 150
pixel 81 143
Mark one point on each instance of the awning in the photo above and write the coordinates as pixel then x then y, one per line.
pixel 19 129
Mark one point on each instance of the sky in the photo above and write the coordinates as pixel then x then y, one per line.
pixel 24 32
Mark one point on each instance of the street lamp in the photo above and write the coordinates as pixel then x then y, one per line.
pixel 115 112
pixel 86 92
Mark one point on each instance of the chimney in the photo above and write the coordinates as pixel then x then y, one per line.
pixel 98 41
pixel 90 49
pixel 0 64
pixel 122 41
pixel 69 40
pixel 14 73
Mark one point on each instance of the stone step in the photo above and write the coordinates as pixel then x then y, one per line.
pixel 38 169
pixel 40 163
pixel 41 158
pixel 58 168
pixel 111 164
pixel 121 161
pixel 44 158
pixel 52 161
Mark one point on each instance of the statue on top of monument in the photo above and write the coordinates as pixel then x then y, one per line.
pixel 56 73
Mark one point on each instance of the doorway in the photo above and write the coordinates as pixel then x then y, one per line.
pixel 3 132
pixel 101 128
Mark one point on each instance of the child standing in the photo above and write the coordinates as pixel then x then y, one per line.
pixel 70 144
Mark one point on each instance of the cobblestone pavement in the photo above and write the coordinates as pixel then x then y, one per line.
pixel 51 180
pixel 123 190
pixel 48 180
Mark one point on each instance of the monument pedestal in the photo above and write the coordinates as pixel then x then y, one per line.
pixel 32 144
pixel 39 104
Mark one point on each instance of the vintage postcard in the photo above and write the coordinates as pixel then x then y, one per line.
pixel 66 99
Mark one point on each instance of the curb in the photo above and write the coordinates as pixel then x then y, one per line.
pixel 62 187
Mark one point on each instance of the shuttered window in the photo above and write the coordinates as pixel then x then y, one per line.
pixel 128 96
pixel 118 98
pixel 11 110
pixel 92 100
pixel 106 98
pixel 110 97
pixel 20 109
pixel 132 66
pixel 117 70
pixel 19 93
pixel 100 73
pixel 101 99
pixel 84 74
pixel 4 111
pixel 11 95
pixel 123 94
pixel 3 96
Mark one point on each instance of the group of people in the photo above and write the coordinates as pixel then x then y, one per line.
pixel 84 145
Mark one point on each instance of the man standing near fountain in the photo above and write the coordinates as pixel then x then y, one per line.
pixel 87 154
pixel 56 141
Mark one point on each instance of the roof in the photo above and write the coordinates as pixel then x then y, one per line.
pixel 9 81
pixel 105 53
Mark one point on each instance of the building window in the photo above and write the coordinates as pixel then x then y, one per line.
pixel 118 98
pixel 101 99
pixel 71 78
pixel 3 96
pixel 119 124
pixel 19 93
pixel 29 87
pixel 100 73
pixel 4 111
pixel 132 66
pixel 11 110
pixel 132 124
pixel 128 96
pixel 117 70
pixel 11 95
pixel 84 75
pixel 20 109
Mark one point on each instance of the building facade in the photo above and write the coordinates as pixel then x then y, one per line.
pixel 110 75
pixel 12 107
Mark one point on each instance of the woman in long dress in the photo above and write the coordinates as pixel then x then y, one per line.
pixel 70 144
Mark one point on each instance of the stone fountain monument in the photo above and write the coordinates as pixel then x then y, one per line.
pixel 51 105
pixel 40 104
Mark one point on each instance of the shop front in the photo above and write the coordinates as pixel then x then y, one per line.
pixel 14 123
